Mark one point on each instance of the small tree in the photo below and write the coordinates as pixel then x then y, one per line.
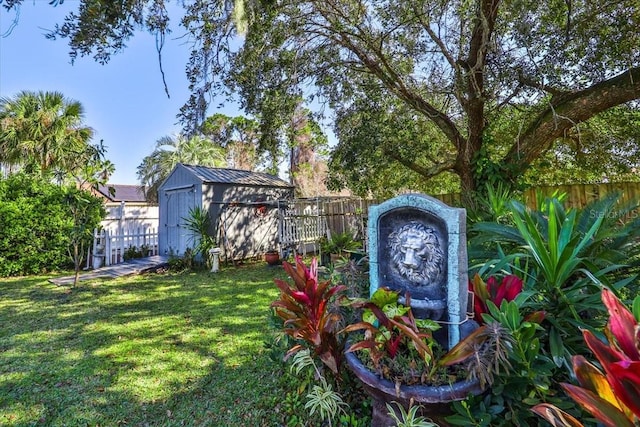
pixel 85 212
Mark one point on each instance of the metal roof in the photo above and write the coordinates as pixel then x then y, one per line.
pixel 123 193
pixel 236 176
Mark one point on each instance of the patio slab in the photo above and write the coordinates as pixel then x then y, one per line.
pixel 132 266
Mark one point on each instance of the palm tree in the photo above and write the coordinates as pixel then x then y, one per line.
pixel 169 151
pixel 42 131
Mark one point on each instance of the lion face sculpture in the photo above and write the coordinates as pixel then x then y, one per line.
pixel 416 253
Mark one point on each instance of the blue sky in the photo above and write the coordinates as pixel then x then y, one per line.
pixel 124 100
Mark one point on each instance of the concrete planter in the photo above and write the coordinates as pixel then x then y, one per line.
pixel 434 400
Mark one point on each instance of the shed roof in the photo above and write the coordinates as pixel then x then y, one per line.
pixel 123 193
pixel 236 176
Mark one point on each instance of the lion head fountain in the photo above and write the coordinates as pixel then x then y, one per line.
pixel 416 253
pixel 417 245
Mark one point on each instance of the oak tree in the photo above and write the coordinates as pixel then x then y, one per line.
pixel 458 65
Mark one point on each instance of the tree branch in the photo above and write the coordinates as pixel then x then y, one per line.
pixel 567 110
pixel 529 81
pixel 420 170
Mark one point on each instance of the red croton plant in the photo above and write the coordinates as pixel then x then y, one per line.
pixel 306 310
pixel 508 288
pixel 612 396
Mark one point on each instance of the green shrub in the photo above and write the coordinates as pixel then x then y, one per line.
pixel 35 225
pixel 133 252
pixel 200 224
pixel 565 256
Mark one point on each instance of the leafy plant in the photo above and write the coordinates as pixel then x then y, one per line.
pixel 409 418
pixel 612 396
pixel 354 274
pixel 387 325
pixel 528 380
pixel 180 263
pixel 133 252
pixel 401 348
pixel 339 243
pixel 492 204
pixel 322 398
pixel 507 290
pixel 200 224
pixel 306 308
pixel 85 211
pixel 36 225
pixel 567 255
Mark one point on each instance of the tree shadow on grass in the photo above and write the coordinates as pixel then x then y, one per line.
pixel 155 350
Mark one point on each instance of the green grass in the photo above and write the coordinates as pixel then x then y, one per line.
pixel 154 350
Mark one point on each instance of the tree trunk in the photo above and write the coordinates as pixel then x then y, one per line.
pixel 76 265
pixel 468 186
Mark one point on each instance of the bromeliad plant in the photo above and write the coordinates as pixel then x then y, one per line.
pixel 611 395
pixel 507 290
pixel 566 256
pixel 308 314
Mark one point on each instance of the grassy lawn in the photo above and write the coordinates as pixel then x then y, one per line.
pixel 159 350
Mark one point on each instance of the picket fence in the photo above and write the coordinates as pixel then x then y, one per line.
pixel 110 247
pixel 300 226
pixel 303 222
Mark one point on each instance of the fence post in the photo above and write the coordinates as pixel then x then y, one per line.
pixel 107 248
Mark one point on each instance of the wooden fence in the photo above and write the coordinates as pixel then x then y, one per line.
pixel 110 247
pixel 305 221
pixel 577 195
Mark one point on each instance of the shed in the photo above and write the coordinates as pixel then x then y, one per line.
pixel 243 206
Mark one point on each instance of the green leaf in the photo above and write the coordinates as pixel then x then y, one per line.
pixel 557 347
pixel 427 324
pixel 636 308
pixel 393 310
pixel 384 296
pixel 458 420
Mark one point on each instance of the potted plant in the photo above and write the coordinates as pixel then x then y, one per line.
pixel 393 354
pixel 272 257
pixel 399 360
pixel 339 245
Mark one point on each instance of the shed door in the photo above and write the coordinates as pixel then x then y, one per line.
pixel 179 203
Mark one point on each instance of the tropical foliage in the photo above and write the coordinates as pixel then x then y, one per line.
pixel 507 290
pixel 203 232
pixel 566 256
pixel 389 329
pixel 611 394
pixel 169 151
pixel 42 225
pixel 309 312
pixel 563 259
pixel 311 315
pixel 43 133
pixel 85 213
pixel 529 380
